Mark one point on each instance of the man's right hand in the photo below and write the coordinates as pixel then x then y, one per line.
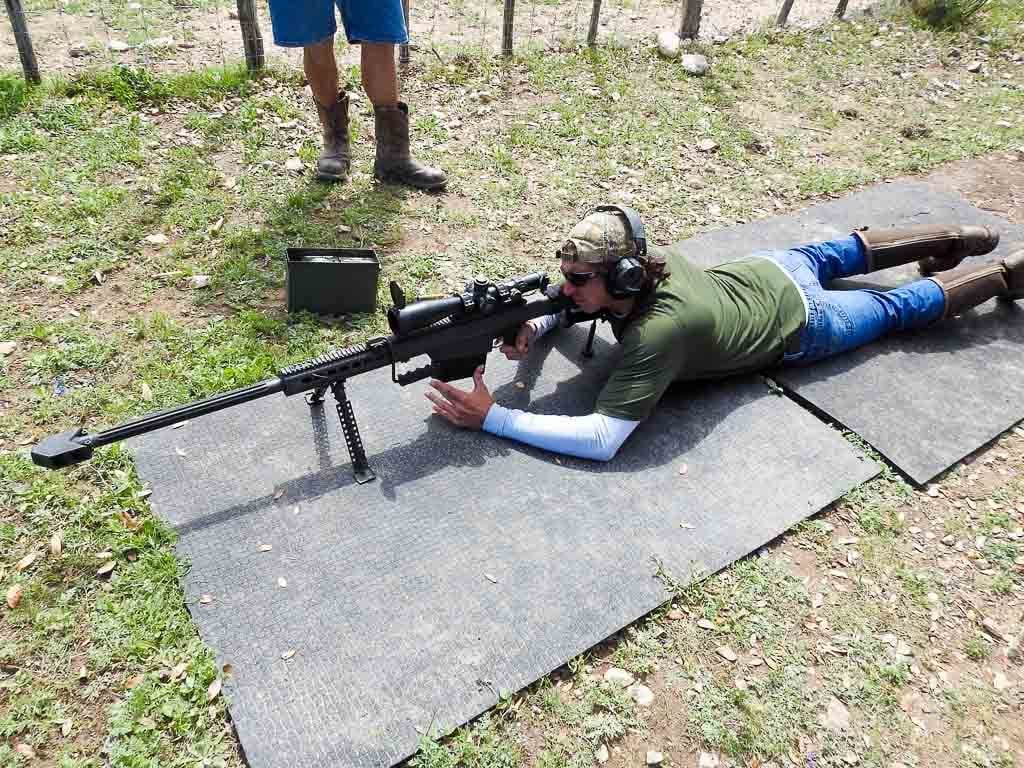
pixel 521 348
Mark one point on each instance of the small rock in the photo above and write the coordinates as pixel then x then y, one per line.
pixel 6 347
pixel 668 43
pixel 726 653
pixel 641 694
pixel 675 615
pixel 158 42
pixel 619 677
pixel 708 145
pixel 1000 681
pixel 158 239
pixel 1013 651
pixel 707 760
pixel 992 629
pixel 974 66
pixel 694 64
pixel 293 164
pixel 602 754
pixel 706 624
pixel 78 51
pixel 654 758
pixel 837 716
pixel 199 281
pixel 918 131
pixel 847 109
pixel 118 46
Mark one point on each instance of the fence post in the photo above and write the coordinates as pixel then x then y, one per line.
pixel 252 39
pixel 784 13
pixel 21 37
pixel 595 18
pixel 403 49
pixel 689 24
pixel 841 8
pixel 506 30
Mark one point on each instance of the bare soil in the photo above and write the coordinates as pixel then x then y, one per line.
pixel 194 38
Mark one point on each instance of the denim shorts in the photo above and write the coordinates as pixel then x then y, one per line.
pixel 838 321
pixel 299 23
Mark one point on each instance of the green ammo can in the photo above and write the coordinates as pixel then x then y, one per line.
pixel 332 281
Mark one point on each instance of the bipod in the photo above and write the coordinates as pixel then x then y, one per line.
pixel 360 466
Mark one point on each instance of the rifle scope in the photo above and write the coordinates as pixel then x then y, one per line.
pixel 479 297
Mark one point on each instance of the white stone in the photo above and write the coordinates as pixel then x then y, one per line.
pixel 619 677
pixel 199 281
pixel 707 760
pixel 668 44
pixel 293 164
pixel 641 694
pixel 118 46
pixel 695 64
pixel 654 758
pixel 602 754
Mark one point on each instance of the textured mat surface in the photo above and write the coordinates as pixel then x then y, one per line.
pixel 472 564
pixel 926 399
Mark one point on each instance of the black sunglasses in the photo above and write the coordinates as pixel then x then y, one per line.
pixel 579 279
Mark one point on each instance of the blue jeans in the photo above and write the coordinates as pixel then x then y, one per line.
pixel 838 321
pixel 304 22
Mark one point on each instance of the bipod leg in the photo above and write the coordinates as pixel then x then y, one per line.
pixel 588 350
pixel 316 396
pixel 349 428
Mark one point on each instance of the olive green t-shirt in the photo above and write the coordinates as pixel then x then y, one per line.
pixel 700 323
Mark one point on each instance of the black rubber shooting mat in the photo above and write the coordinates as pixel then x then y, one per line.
pixel 923 399
pixel 472 564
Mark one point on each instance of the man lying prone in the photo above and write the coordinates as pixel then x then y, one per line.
pixel 679 322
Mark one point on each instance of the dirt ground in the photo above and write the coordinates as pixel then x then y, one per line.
pixel 184 38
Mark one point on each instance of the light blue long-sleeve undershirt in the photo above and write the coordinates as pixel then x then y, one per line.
pixel 590 437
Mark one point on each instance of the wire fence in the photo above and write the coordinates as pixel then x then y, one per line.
pixel 62 37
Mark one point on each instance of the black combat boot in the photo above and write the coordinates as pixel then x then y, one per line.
pixel 394 163
pixel 334 162
pixel 935 248
pixel 967 288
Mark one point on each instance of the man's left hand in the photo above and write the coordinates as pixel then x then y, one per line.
pixel 461 408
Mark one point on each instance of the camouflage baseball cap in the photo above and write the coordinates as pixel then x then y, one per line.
pixel 600 238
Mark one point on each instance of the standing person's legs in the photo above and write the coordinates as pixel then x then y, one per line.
pixel 321 70
pixel 380 77
pixel 310 24
pixel 379 25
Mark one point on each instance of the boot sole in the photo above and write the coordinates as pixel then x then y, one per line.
pixel 406 183
pixel 334 178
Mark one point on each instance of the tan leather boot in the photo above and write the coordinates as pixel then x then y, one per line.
pixel 967 288
pixel 394 163
pixel 333 164
pixel 934 247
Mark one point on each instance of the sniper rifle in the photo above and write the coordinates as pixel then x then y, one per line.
pixel 456 332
